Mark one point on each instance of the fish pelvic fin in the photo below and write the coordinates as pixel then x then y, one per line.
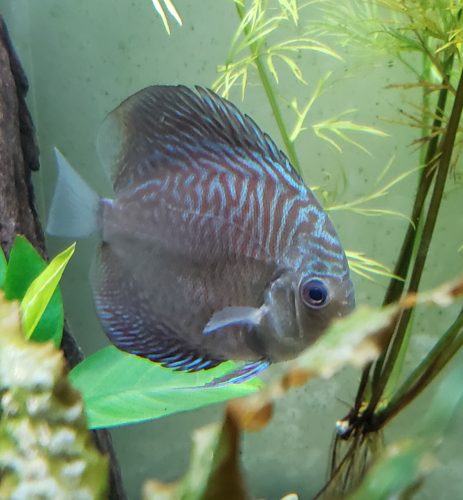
pixel 74 208
pixel 245 372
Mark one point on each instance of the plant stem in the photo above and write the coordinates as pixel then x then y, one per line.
pixel 440 347
pixel 425 372
pixel 396 287
pixel 448 142
pixel 271 97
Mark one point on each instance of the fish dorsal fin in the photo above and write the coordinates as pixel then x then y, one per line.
pixel 161 126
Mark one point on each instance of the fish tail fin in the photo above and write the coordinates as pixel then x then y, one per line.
pixel 74 208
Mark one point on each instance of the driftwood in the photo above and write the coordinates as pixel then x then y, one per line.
pixel 19 157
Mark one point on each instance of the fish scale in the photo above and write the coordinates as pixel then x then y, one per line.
pixel 212 247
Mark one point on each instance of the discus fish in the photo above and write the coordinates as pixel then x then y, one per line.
pixel 213 248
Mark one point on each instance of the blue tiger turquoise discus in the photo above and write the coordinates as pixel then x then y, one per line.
pixel 212 247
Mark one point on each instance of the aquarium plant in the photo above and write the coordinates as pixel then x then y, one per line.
pixel 424 37
pixel 46 448
pixel 268 49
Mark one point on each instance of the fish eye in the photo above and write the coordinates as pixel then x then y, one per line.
pixel 314 293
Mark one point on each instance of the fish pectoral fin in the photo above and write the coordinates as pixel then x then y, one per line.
pixel 245 372
pixel 235 316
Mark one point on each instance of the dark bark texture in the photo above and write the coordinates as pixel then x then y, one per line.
pixel 19 157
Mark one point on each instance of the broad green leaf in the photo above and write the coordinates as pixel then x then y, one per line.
pixel 2 268
pixel 119 388
pixel 51 324
pixel 24 265
pixel 39 293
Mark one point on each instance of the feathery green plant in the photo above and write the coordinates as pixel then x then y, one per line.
pixel 426 37
pixel 260 47
pixel 272 35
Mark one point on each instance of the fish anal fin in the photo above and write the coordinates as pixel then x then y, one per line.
pixel 189 361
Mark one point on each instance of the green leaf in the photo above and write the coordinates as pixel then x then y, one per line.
pixel 40 292
pixel 24 265
pixel 119 388
pixel 51 324
pixel 2 268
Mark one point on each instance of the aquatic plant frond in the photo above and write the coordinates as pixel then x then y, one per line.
pixel 357 205
pixel 455 39
pixel 385 189
pixel 385 170
pixel 376 212
pixel 333 187
pixel 257 37
pixel 364 266
pixel 291 8
pixel 424 84
pixel 335 128
pixel 302 114
pixel 232 74
pixel 423 118
pixel 258 50
pixel 397 27
pixel 294 46
pixel 170 9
